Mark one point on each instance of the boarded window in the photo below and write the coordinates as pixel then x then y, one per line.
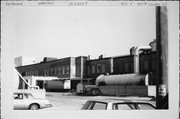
pixel 93 69
pixel 59 71
pixel 78 70
pixel 131 67
pixel 126 67
pixel 99 68
pixel 63 70
pixel 89 70
pixel 51 71
pixel 146 65
pixel 67 70
pixel 47 72
pixel 153 65
pixel 103 68
pixel 55 70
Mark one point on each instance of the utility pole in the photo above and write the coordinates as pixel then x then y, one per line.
pixel 162 57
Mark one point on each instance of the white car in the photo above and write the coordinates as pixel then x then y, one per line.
pixel 117 105
pixel 27 101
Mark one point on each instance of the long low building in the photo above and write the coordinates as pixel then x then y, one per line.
pixel 83 68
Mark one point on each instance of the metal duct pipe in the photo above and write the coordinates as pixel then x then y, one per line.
pixel 136 56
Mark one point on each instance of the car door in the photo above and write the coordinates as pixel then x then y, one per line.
pixel 18 101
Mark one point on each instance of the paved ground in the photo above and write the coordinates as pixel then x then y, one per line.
pixel 73 102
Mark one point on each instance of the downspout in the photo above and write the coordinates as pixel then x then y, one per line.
pixel 136 52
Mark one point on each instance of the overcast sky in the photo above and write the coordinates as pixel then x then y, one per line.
pixel 81 31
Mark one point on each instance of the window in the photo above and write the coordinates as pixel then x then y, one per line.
pixel 28 96
pixel 36 73
pixel 103 68
pixel 120 68
pixel 59 70
pixel 63 70
pixel 122 106
pixel 78 70
pixel 99 68
pixel 131 66
pixel 47 72
pixel 55 70
pixel 89 70
pixel 23 73
pixel 144 107
pixel 126 67
pixel 146 65
pixel 99 106
pixel 51 71
pixel 67 69
pixel 93 69
pixel 32 73
pixel 18 96
pixel 153 65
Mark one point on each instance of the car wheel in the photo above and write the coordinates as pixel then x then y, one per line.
pixel 34 107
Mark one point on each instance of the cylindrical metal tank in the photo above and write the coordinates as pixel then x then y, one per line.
pixel 125 79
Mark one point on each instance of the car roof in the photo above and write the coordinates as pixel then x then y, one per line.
pixel 118 101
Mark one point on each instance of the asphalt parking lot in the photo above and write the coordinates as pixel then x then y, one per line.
pixel 71 101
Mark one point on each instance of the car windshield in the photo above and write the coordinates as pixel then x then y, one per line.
pixel 86 105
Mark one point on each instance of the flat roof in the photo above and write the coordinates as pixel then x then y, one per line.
pixel 45 62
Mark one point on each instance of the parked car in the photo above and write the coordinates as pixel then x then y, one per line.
pixel 27 101
pixel 117 105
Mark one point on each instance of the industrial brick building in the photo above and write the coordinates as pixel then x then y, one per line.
pixel 121 65
pixel 83 68
pixel 99 66
pixel 63 68
pixel 80 68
